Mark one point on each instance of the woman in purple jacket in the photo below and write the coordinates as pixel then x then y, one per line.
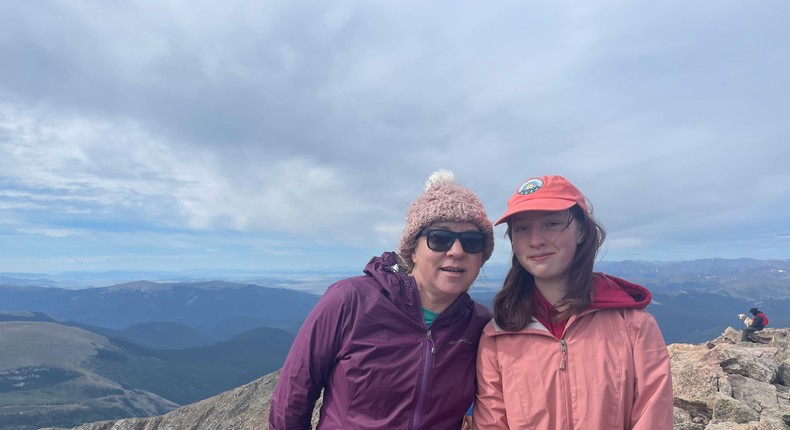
pixel 395 348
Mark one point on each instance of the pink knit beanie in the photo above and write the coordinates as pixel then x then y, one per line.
pixel 444 200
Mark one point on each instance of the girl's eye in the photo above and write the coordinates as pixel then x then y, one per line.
pixel 520 229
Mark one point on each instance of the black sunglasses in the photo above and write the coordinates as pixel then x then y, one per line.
pixel 472 242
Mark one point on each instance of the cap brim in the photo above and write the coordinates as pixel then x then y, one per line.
pixel 545 204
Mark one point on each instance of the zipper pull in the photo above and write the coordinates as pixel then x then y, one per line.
pixel 564 351
pixel 433 346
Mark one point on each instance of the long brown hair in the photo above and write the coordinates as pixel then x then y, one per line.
pixel 513 303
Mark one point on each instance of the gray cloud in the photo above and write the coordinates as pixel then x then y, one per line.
pixel 322 120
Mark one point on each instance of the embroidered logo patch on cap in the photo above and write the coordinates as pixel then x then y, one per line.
pixel 530 186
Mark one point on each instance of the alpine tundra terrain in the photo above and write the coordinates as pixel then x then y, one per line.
pixel 49 370
pixel 52 373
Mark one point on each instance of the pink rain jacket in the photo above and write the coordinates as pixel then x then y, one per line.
pixel 610 370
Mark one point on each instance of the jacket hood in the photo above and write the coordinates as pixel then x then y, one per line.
pixel 615 293
pixel 378 266
pixel 396 285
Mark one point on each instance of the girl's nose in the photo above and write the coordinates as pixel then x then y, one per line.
pixel 537 237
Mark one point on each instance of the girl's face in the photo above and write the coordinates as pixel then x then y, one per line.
pixel 545 243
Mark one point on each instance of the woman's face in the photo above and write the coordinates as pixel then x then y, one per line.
pixel 545 243
pixel 442 276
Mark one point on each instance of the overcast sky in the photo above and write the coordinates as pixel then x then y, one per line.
pixel 287 134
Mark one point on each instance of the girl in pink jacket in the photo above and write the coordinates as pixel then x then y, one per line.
pixel 568 348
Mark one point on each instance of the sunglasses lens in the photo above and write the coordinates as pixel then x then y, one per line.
pixel 440 240
pixel 473 242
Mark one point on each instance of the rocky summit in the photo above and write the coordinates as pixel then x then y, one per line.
pixel 722 384
pixel 725 384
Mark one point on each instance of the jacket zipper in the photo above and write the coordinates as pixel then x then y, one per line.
pixel 564 352
pixel 565 384
pixel 430 350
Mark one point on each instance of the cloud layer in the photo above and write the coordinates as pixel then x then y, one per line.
pixel 294 134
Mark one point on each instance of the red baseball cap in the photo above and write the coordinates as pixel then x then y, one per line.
pixel 544 193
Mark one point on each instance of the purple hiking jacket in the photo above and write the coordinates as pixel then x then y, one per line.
pixel 366 344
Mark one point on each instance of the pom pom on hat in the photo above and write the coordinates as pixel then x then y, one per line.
pixel 444 199
pixel 440 176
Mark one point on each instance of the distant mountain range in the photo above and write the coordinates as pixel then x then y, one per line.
pixel 692 301
pixel 218 310
pixel 157 343
pixel 746 278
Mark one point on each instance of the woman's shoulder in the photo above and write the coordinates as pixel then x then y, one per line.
pixel 348 289
pixel 391 287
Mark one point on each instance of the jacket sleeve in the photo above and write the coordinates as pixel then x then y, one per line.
pixel 652 407
pixel 489 406
pixel 309 363
pixel 757 321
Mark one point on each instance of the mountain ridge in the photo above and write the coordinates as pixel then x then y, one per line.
pixel 217 308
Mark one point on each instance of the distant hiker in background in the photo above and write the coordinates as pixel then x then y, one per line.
pixel 568 347
pixel 395 348
pixel 752 325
